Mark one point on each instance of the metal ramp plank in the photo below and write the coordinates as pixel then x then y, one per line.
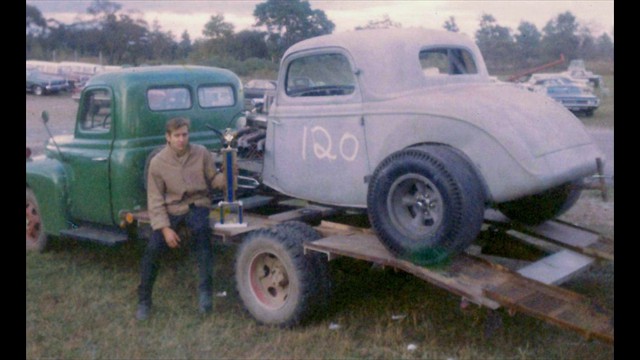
pixel 559 232
pixel 556 268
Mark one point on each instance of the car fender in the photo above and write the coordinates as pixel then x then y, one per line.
pixel 48 180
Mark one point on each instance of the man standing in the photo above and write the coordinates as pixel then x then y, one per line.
pixel 179 179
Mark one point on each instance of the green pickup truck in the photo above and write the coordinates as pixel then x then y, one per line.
pixel 84 183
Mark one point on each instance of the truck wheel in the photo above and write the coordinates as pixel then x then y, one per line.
pixel 273 277
pixel 38 90
pixel 425 203
pixel 319 263
pixel 538 208
pixel 36 238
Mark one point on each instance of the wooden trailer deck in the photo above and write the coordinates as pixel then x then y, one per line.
pixel 485 280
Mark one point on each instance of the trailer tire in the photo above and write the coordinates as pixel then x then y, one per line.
pixel 322 287
pixel 36 238
pixel 426 203
pixel 538 208
pixel 273 277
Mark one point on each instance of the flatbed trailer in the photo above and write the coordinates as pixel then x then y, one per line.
pixel 528 287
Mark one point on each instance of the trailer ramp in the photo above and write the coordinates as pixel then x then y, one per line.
pixel 479 281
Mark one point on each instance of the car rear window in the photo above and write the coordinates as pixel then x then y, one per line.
pixel 447 61
pixel 216 96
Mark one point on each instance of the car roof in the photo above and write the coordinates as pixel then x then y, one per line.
pixel 385 56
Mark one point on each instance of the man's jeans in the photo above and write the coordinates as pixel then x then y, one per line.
pixel 197 221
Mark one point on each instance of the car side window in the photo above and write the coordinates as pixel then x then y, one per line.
pixel 447 61
pixel 96 112
pixel 174 98
pixel 320 75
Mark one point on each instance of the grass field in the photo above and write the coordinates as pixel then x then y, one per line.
pixel 81 300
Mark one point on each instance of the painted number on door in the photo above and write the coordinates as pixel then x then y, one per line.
pixel 319 141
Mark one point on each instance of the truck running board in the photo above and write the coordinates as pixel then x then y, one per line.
pixel 102 236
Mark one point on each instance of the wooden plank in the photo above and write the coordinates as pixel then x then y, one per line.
pixel 253 222
pixel 556 306
pixel 483 283
pixel 464 276
pixel 556 268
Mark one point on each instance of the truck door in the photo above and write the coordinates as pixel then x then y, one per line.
pixel 316 131
pixel 89 156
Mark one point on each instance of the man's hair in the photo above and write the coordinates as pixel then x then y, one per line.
pixel 176 123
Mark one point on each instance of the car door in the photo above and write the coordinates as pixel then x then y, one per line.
pixel 88 155
pixel 316 131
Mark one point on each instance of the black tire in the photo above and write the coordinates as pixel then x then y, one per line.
pixel 538 208
pixel 426 203
pixel 38 90
pixel 273 277
pixel 322 287
pixel 36 237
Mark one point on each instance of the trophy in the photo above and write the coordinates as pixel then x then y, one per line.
pixel 230 203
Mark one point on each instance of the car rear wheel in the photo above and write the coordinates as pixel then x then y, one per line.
pixel 425 203
pixel 38 90
pixel 538 208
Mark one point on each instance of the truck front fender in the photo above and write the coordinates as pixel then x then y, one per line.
pixel 48 180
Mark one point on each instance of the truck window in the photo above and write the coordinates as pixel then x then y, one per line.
pixel 175 98
pixel 96 112
pixel 320 75
pixel 215 96
pixel 447 61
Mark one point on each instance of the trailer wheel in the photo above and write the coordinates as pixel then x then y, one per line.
pixel 36 237
pixel 425 203
pixel 273 277
pixel 319 263
pixel 538 208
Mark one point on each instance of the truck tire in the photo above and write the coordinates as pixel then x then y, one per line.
pixel 538 208
pixel 36 237
pixel 322 287
pixel 425 203
pixel 274 278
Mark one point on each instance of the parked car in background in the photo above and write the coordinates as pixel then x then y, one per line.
pixel 574 98
pixel 551 79
pixel 40 83
pixel 577 70
pixel 255 90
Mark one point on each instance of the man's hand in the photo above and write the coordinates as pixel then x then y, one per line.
pixel 170 236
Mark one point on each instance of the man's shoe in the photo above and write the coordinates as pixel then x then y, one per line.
pixel 143 312
pixel 205 305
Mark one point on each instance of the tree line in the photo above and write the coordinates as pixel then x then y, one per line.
pixel 118 38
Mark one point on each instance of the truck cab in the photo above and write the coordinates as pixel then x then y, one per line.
pixel 89 179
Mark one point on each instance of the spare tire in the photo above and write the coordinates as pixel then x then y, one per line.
pixel 426 203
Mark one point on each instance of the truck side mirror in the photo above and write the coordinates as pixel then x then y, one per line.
pixel 45 116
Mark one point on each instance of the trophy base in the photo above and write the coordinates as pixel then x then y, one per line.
pixel 230 225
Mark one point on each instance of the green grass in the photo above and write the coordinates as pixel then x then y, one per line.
pixel 81 301
pixel 603 116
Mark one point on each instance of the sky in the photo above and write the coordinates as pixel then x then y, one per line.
pixel 180 15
